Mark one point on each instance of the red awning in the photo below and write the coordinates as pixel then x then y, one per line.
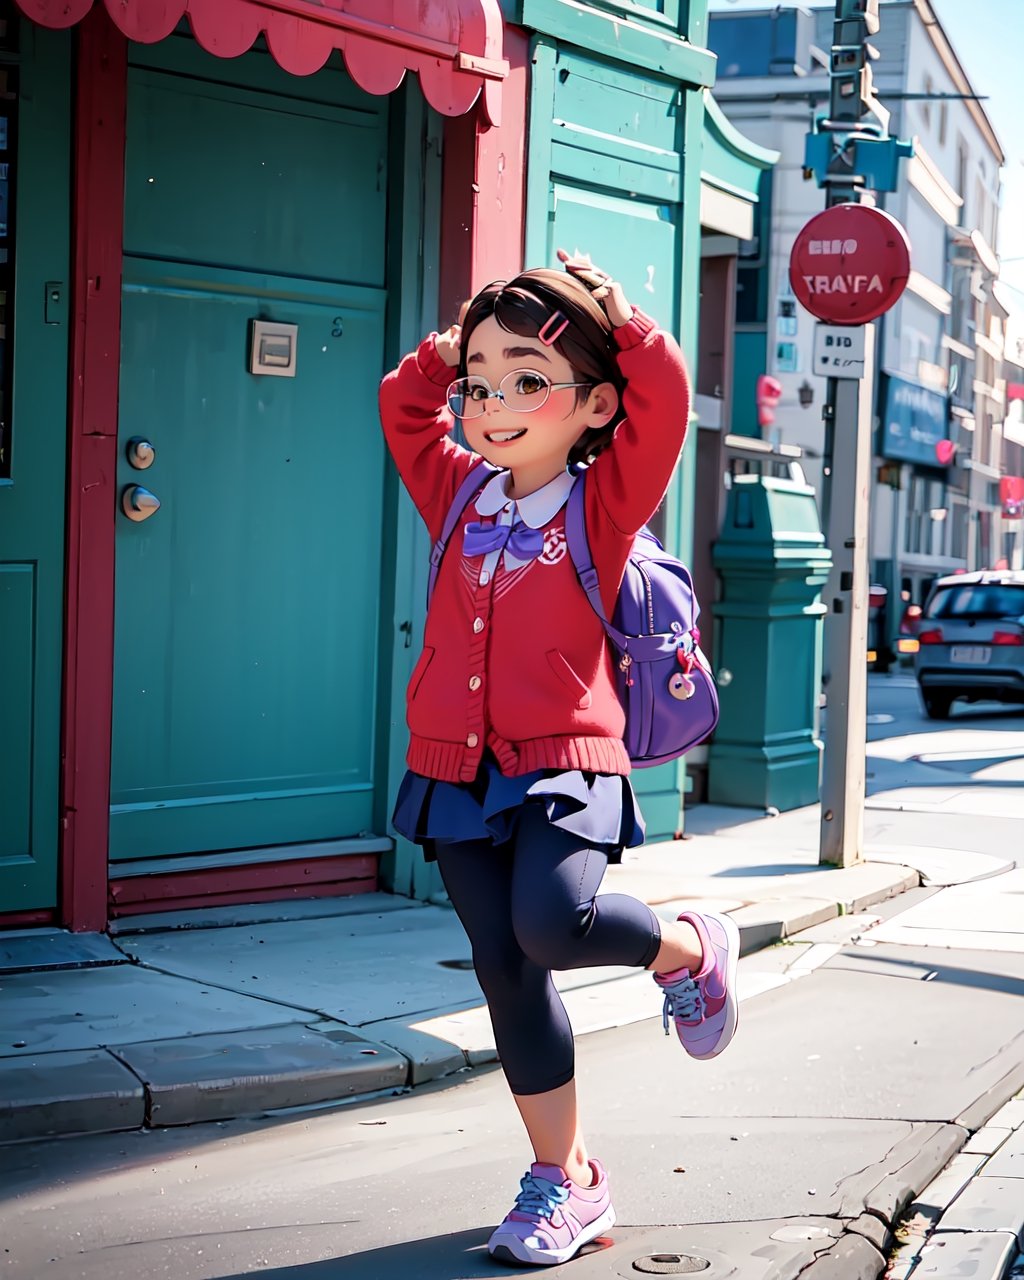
pixel 454 46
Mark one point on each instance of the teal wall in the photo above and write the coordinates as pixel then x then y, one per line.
pixel 749 361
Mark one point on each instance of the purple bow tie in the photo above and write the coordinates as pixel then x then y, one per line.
pixel 522 541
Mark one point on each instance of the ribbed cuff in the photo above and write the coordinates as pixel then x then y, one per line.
pixel 430 363
pixel 634 331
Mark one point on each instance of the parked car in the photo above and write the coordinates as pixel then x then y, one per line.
pixel 971 641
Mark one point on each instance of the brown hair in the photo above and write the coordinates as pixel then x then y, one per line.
pixel 525 305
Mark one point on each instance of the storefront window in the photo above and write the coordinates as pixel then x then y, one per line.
pixel 8 133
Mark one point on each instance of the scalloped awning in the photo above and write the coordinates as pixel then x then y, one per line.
pixel 454 46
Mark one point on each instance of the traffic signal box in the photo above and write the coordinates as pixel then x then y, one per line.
pixel 773 563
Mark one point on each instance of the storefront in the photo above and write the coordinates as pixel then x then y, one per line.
pixel 225 232
pixel 231 217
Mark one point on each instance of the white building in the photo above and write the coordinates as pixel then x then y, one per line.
pixel 940 349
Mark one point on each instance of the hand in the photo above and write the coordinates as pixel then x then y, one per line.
pixel 447 345
pixel 602 287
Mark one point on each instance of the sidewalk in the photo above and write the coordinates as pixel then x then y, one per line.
pixel 214 1014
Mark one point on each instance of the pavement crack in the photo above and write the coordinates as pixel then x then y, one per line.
pixel 998 1053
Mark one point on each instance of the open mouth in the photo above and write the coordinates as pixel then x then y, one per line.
pixel 503 437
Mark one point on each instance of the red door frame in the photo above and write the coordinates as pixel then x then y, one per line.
pixel 481 239
pixel 97 221
pixel 484 189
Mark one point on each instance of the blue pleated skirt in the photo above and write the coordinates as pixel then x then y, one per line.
pixel 600 808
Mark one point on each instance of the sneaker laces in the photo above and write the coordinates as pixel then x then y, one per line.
pixel 540 1196
pixel 683 1000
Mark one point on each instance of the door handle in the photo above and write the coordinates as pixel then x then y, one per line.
pixel 141 453
pixel 138 503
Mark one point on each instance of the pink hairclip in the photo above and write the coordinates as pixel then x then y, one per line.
pixel 548 337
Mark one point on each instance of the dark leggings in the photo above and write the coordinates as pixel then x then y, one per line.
pixel 528 907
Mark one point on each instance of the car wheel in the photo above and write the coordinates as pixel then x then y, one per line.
pixel 937 705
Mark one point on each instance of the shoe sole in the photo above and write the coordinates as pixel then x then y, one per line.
pixel 515 1252
pixel 732 1006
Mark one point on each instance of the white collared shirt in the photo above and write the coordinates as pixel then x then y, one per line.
pixel 534 510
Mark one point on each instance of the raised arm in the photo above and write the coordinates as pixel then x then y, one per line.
pixel 417 423
pixel 629 479
pixel 631 476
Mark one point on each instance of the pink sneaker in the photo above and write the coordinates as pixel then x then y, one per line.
pixel 553 1218
pixel 704 1006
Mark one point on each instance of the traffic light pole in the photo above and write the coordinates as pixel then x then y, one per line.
pixel 848 411
pixel 847 459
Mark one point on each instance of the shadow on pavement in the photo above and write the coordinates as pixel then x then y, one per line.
pixel 459 1256
pixel 886 962
pixel 770 869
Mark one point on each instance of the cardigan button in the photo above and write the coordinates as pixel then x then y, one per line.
pixel 472 740
pixel 475 682
pixel 485 577
pixel 478 625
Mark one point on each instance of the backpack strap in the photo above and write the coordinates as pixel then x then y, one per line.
pixel 583 561
pixel 474 481
pixel 640 648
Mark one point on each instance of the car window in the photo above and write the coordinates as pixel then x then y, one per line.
pixel 977 600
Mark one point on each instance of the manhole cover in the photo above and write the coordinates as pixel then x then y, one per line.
pixel 670 1264
pixel 793 1234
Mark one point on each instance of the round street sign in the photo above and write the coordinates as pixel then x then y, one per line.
pixel 850 263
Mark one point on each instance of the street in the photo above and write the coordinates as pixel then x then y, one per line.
pixel 861 1042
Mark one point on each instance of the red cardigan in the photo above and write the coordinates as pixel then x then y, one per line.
pixel 527 671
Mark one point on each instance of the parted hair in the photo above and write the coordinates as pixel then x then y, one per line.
pixel 525 305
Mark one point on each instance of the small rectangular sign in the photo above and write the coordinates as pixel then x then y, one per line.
pixel 273 348
pixel 839 350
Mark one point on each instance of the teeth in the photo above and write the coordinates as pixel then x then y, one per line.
pixel 500 437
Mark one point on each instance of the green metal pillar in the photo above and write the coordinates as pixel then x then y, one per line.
pixel 773 563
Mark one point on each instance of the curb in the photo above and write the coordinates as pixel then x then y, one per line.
pixel 865 1249
pixel 303 1060
pixel 959 1218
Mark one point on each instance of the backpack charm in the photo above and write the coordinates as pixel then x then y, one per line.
pixel 625 662
pixel 680 685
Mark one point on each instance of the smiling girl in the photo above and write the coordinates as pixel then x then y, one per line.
pixel 518 781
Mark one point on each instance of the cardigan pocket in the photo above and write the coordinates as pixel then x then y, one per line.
pixel 570 679
pixel 418 672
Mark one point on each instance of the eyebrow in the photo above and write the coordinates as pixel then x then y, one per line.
pixel 510 353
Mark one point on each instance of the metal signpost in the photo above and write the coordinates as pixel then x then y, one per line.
pixel 849 265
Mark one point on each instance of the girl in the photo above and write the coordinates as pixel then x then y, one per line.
pixel 518 779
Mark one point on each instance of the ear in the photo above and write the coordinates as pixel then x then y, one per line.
pixel 602 404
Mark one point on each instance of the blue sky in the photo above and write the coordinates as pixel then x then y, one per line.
pixel 992 63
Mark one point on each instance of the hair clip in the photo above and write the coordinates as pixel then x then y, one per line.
pixel 548 338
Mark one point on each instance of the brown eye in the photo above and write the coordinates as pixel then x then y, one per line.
pixel 530 384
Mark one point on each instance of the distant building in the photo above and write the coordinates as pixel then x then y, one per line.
pixel 940 390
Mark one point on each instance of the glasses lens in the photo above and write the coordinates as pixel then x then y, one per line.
pixel 467 397
pixel 524 390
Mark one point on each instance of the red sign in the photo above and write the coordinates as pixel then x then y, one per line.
pixel 768 393
pixel 1011 495
pixel 850 264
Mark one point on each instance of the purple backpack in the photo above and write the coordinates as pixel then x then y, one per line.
pixel 665 683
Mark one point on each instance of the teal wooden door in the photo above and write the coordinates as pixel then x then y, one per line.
pixel 34 203
pixel 247 605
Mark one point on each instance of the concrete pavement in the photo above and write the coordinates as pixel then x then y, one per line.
pixel 231 1011
pixel 165 1024
pixel 228 1013
pixel 862 1069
